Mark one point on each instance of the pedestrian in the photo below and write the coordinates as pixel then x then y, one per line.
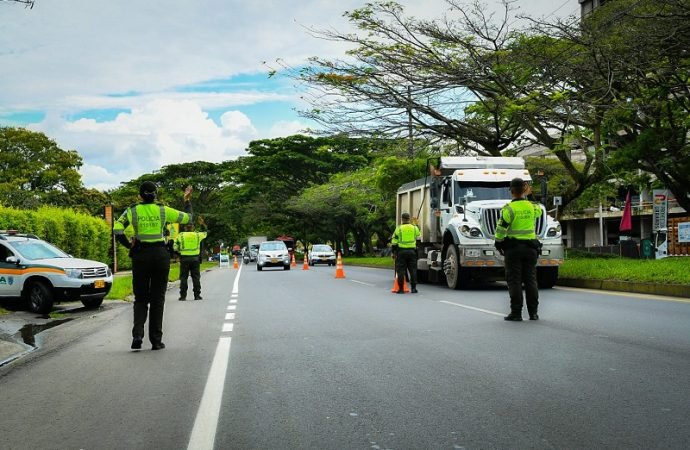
pixel 404 245
pixel 150 258
pixel 188 244
pixel 517 241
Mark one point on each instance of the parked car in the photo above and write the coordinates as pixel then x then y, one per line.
pixel 273 254
pixel 42 274
pixel 321 253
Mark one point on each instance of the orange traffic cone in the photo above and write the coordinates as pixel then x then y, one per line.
pixel 293 263
pixel 396 288
pixel 306 263
pixel 234 263
pixel 339 272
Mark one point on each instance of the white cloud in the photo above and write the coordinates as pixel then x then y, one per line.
pixel 159 133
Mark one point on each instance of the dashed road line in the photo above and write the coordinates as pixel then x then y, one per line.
pixel 486 311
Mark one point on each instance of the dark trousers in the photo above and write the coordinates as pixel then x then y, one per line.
pixel 189 265
pixel 521 268
pixel 150 269
pixel 406 262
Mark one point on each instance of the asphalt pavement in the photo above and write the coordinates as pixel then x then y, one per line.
pixel 13 345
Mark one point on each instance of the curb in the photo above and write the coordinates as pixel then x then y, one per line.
pixel 671 290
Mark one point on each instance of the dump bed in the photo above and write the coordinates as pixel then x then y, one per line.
pixel 414 198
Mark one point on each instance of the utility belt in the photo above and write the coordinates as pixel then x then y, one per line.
pixel 514 243
pixel 151 244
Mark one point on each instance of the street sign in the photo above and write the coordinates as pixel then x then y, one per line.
pixel 557 201
pixel 684 232
pixel 660 216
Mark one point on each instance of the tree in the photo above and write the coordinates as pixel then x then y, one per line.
pixel 469 79
pixel 35 171
pixel 27 3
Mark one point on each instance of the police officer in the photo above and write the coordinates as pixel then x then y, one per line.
pixel 150 258
pixel 404 245
pixel 188 244
pixel 517 241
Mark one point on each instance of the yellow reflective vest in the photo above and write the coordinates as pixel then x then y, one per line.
pixel 405 236
pixel 188 243
pixel 518 220
pixel 148 221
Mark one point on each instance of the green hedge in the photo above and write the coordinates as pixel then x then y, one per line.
pixel 76 233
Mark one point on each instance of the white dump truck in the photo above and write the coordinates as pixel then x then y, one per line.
pixel 457 207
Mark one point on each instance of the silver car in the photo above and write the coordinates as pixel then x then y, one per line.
pixel 321 253
pixel 273 254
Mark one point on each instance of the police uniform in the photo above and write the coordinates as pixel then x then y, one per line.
pixel 188 244
pixel 150 260
pixel 516 239
pixel 405 239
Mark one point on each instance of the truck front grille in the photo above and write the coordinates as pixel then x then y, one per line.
pixel 491 216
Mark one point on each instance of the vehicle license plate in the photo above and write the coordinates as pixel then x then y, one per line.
pixel 274 260
pixel 98 284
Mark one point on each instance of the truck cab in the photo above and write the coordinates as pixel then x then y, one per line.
pixel 458 208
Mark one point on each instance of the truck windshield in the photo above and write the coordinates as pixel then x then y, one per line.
pixel 474 191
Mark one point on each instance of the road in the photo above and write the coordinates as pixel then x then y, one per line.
pixel 299 360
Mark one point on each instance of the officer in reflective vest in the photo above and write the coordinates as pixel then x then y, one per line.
pixel 150 258
pixel 188 245
pixel 517 241
pixel 404 245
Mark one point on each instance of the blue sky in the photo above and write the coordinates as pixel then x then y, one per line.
pixel 133 86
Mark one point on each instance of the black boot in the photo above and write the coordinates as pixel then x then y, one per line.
pixel 514 317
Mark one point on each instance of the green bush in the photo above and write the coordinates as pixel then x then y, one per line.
pixel 76 233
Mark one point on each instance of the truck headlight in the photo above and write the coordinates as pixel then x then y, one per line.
pixel 554 232
pixel 471 232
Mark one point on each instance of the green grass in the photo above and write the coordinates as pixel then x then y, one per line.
pixel 375 261
pixel 667 270
pixel 122 284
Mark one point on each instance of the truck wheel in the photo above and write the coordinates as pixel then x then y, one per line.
pixel 286 267
pixel 547 277
pixel 452 269
pixel 39 297
pixel 92 303
pixel 258 267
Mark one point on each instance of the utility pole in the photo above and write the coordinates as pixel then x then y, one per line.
pixel 410 142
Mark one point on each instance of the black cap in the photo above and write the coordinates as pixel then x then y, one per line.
pixel 517 183
pixel 147 187
pixel 405 216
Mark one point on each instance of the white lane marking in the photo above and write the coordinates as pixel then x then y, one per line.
pixel 206 422
pixel 232 307
pixel 473 308
pixel 235 286
pixel 227 327
pixel 363 282
pixel 625 294
pixel 230 316
pixel 233 301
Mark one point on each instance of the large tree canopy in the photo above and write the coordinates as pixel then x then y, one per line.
pixel 590 84
pixel 34 171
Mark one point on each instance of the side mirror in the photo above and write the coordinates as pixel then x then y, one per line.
pixel 459 209
pixel 12 260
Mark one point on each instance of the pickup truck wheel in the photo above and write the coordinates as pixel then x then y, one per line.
pixel 39 297
pixel 547 277
pixel 452 269
pixel 92 303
